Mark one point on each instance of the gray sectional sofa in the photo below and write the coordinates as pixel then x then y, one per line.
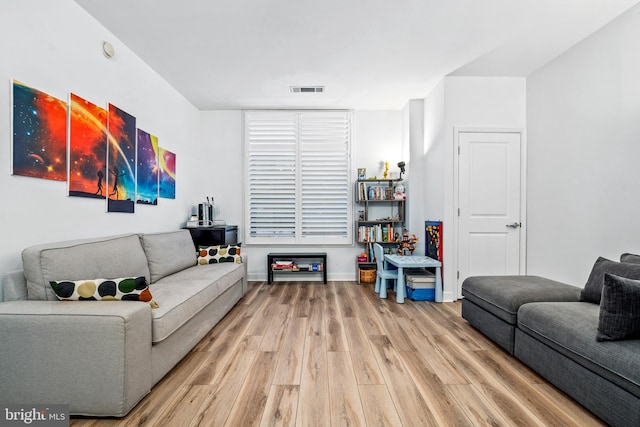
pixel 101 358
pixel 582 341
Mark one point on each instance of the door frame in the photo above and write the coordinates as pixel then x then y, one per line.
pixel 456 202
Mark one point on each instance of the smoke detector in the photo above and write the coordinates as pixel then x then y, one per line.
pixel 108 50
pixel 307 89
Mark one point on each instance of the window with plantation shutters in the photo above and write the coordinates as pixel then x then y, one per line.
pixel 298 177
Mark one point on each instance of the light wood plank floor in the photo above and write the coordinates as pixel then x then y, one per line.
pixel 308 354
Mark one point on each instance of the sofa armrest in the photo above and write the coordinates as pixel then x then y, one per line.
pixel 92 355
pixel 245 280
pixel 14 286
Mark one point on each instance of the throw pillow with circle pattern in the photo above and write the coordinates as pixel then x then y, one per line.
pixel 122 289
pixel 219 253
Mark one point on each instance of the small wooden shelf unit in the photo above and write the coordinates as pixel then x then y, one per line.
pixel 294 258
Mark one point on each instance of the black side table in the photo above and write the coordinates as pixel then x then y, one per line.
pixel 211 236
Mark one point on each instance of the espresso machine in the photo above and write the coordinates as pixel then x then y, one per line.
pixel 205 213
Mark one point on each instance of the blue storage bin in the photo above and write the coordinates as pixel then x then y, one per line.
pixel 427 294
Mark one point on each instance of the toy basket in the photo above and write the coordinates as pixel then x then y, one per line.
pixel 367 274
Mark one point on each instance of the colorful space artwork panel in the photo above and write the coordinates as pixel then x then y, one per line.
pixel 39 134
pixel 99 152
pixel 167 161
pixel 121 161
pixel 147 179
pixel 87 149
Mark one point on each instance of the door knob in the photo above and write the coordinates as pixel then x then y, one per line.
pixel 514 225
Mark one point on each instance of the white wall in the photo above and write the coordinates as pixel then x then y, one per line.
pixel 584 144
pixel 462 102
pixel 56 47
pixel 433 155
pixel 223 175
pixel 377 136
pixel 413 127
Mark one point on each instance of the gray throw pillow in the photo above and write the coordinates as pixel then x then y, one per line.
pixel 168 253
pixel 632 258
pixel 593 289
pixel 619 309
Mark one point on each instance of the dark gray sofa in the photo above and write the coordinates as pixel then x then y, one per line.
pixel 491 303
pixel 546 325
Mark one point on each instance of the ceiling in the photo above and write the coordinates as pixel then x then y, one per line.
pixel 368 54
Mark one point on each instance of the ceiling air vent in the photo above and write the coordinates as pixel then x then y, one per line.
pixel 307 89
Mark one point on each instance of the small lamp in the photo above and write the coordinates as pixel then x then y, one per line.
pixel 401 165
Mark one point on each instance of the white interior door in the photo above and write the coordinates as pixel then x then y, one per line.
pixel 489 202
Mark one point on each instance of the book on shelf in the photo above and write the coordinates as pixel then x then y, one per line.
pixel 374 192
pixel 376 233
pixel 362 191
pixel 283 265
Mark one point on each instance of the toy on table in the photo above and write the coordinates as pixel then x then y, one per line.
pixel 407 244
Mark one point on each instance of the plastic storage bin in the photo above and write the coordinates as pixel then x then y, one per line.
pixel 421 285
pixel 425 294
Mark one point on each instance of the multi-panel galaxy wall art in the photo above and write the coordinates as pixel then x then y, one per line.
pixel 121 158
pixel 103 155
pixel 39 134
pixel 147 182
pixel 87 149
pixel 167 161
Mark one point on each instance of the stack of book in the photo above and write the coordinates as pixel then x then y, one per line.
pixel 375 233
pixel 374 192
pixel 283 265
